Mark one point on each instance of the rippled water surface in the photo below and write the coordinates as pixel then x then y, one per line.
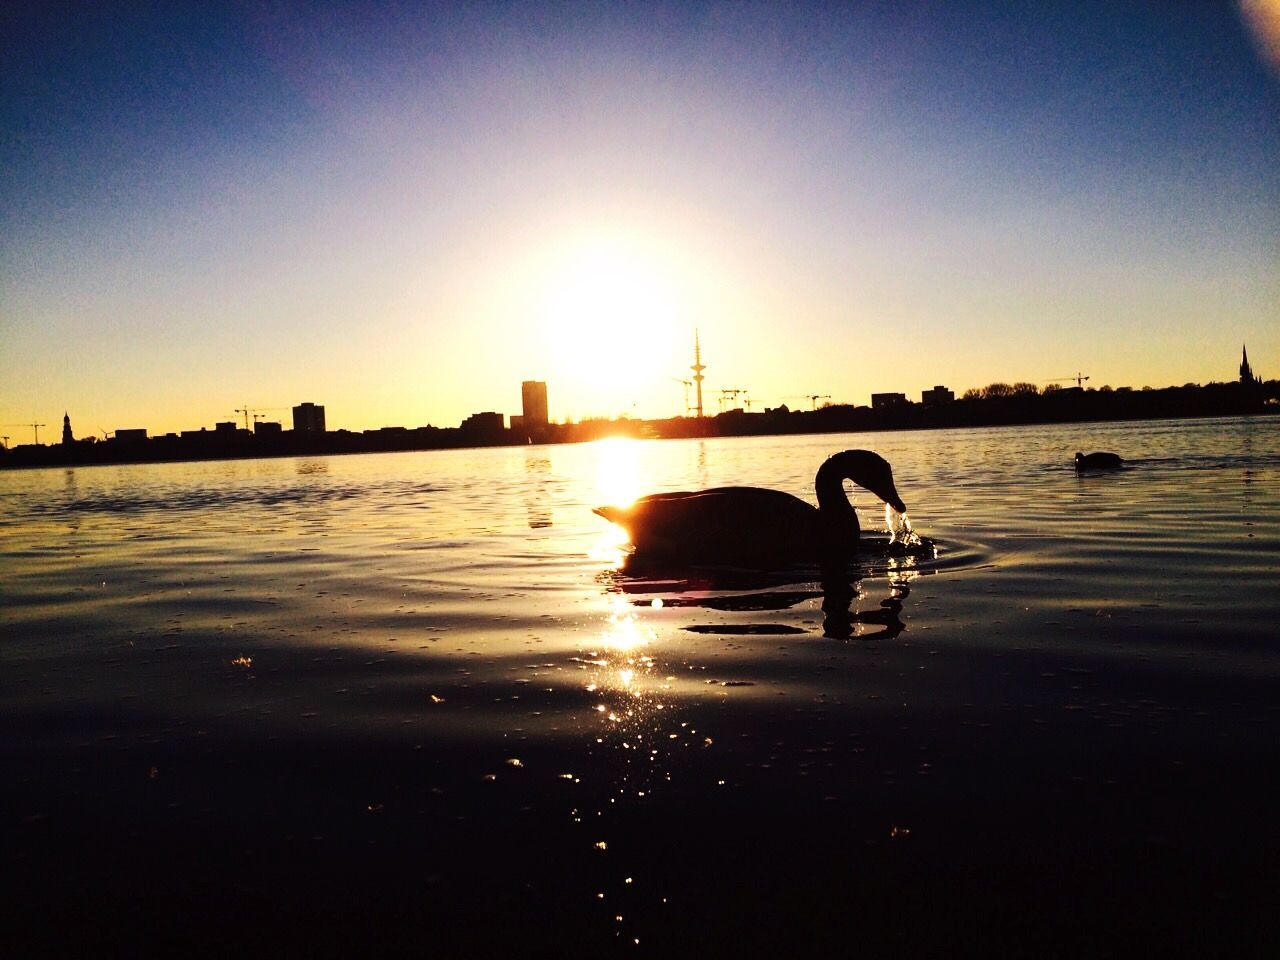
pixel 429 676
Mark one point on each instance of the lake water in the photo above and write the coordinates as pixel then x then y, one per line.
pixel 413 702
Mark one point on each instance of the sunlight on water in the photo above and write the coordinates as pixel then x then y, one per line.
pixel 625 632
pixel 382 628
pixel 611 546
pixel 617 470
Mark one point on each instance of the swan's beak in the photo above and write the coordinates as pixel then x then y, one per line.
pixel 884 488
pixel 888 492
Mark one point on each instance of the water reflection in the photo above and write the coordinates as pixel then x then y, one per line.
pixel 306 466
pixel 71 493
pixel 621 671
pixel 633 731
pixel 646 729
pixel 842 616
pixel 537 500
pixel 842 593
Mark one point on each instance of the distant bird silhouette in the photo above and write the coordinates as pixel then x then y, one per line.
pixel 1098 461
pixel 752 525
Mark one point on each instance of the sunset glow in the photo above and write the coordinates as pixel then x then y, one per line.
pixel 613 317
pixel 402 214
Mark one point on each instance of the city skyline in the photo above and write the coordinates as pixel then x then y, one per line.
pixel 400 211
pixel 533 421
pixel 311 417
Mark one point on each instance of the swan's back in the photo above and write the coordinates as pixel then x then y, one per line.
pixel 727 524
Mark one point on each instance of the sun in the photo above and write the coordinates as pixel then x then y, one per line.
pixel 612 320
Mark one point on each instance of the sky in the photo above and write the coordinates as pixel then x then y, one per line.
pixel 403 210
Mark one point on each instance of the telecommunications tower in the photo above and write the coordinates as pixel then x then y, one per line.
pixel 697 369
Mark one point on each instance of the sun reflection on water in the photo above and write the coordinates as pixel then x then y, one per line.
pixel 634 733
pixel 617 470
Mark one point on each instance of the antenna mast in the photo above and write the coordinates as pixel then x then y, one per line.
pixel 697 369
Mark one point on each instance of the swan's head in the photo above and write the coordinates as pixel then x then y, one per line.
pixel 868 470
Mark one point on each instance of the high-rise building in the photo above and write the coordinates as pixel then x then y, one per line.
pixel 308 418
pixel 534 396
pixel 938 395
pixel 66 429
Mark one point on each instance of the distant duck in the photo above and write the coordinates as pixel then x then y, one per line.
pixel 753 525
pixel 1098 461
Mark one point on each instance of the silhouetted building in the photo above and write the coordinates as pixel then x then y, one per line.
pixel 308 418
pixel 67 438
pixel 267 428
pixel 882 401
pixel 1246 372
pixel 127 436
pixel 533 393
pixel 487 424
pixel 938 395
pixel 225 427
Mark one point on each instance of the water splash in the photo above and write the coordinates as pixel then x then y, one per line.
pixel 899 526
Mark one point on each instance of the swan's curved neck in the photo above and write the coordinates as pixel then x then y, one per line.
pixel 829 486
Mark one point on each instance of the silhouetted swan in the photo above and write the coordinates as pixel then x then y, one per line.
pixel 752 524
pixel 1097 461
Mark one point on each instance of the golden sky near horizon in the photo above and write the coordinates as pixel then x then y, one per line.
pixel 402 216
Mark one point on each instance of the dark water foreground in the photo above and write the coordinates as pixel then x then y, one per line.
pixel 410 705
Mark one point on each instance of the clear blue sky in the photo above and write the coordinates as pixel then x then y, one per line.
pixel 401 210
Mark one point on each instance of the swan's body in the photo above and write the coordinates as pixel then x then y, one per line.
pixel 753 524
pixel 1098 461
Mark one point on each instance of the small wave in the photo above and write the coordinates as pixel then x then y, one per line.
pixel 214 498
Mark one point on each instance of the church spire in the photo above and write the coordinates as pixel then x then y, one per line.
pixel 1246 372
pixel 66 429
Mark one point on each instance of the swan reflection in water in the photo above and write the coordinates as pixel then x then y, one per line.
pixel 743 591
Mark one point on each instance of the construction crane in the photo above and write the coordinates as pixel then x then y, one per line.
pixel 813 398
pixel 34 426
pixel 731 393
pixel 1079 379
pixel 687 385
pixel 257 413
pixel 5 438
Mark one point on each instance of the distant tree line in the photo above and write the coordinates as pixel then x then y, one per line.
pixel 1000 391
